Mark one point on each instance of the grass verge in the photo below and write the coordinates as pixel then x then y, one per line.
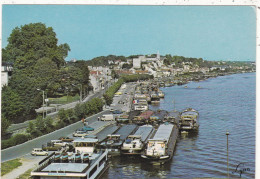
pixel 8 166
pixel 26 175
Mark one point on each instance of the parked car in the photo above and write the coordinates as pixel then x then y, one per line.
pixel 88 128
pixel 112 109
pixel 66 139
pixel 38 151
pixel 117 112
pixel 59 143
pixel 80 133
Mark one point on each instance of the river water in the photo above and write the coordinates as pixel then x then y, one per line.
pixel 224 103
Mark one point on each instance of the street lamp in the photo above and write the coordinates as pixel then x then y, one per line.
pixel 42 102
pixel 227 134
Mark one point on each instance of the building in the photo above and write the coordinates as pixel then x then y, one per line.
pixel 137 63
pixel 6 72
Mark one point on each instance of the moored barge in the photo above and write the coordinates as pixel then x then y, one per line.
pixel 114 141
pixel 161 147
pixel 135 143
pixel 85 163
pixel 189 120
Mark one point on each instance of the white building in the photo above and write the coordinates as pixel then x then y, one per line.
pixel 5 74
pixel 137 63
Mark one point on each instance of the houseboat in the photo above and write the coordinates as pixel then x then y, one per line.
pixel 161 147
pixel 85 163
pixel 135 143
pixel 189 120
pixel 143 117
pixel 140 105
pixel 155 99
pixel 160 94
pixel 114 141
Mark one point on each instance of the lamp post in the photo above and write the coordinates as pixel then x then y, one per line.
pixel 227 133
pixel 42 102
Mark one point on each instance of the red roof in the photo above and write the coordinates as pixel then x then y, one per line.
pixel 95 72
pixel 146 114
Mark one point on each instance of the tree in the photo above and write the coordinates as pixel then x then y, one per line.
pixel 12 106
pixel 35 41
pixel 5 123
pixel 37 61
pixel 46 75
pixel 63 116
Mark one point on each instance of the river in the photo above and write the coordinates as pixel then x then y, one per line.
pixel 224 103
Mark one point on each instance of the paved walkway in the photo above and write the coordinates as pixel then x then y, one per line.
pixel 27 163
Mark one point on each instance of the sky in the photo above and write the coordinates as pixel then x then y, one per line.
pixel 208 32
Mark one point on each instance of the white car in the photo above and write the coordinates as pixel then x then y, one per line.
pixel 38 151
pixel 59 143
pixel 79 134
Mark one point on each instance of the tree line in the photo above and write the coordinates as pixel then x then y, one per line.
pixel 42 126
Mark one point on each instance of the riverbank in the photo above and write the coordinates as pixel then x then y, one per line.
pixel 185 78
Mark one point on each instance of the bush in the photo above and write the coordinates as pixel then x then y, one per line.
pixel 15 140
pixel 7 143
pixel 60 125
pixel 20 138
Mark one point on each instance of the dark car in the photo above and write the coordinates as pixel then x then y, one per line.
pixel 117 112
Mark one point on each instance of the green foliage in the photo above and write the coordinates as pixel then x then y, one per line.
pixel 79 111
pixel 15 140
pixel 103 61
pixel 37 60
pixel 40 126
pixel 63 115
pixel 26 175
pixel 31 128
pixel 5 123
pixel 12 106
pixel 127 66
pixel 8 166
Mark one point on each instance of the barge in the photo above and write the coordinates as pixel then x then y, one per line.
pixel 87 162
pixel 114 141
pixel 143 117
pixel 135 143
pixel 155 99
pixel 161 147
pixel 189 120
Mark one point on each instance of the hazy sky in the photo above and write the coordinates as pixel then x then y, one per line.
pixel 210 32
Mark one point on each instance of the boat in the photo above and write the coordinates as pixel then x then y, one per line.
pixel 86 162
pixel 155 99
pixel 161 147
pixel 189 120
pixel 140 105
pixel 114 141
pixel 160 94
pixel 135 143
pixel 143 117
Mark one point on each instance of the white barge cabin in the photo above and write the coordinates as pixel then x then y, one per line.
pixel 86 163
pixel 161 146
